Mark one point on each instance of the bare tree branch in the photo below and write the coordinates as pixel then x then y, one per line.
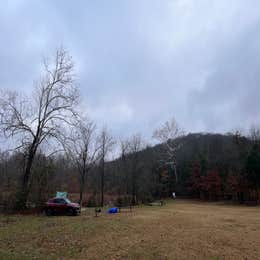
pixel 106 143
pixel 40 118
pixel 167 135
pixel 82 148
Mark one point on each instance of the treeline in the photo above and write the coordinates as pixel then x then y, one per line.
pixel 210 167
pixel 56 146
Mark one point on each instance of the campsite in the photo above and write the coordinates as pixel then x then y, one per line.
pixel 130 129
pixel 181 229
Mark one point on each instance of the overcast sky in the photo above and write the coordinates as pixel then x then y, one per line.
pixel 140 62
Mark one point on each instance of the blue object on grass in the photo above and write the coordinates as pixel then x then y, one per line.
pixel 112 210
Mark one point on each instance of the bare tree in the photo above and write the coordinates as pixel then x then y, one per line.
pixel 135 145
pixel 124 151
pixel 167 135
pixel 254 134
pixel 40 119
pixel 4 175
pixel 82 148
pixel 106 143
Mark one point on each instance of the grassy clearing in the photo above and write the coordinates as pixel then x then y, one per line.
pixel 178 230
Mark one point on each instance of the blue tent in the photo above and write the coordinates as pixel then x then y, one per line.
pixel 112 210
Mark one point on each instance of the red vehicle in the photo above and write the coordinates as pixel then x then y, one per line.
pixel 61 206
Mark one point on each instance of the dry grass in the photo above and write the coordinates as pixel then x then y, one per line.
pixel 178 230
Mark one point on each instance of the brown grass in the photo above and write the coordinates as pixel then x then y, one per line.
pixel 179 230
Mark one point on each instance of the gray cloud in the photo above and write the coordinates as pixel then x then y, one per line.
pixel 140 62
pixel 231 93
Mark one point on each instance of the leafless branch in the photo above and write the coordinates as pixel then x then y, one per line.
pixel 167 134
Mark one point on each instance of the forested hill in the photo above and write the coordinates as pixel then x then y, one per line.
pixel 208 166
pixel 206 163
pixel 226 152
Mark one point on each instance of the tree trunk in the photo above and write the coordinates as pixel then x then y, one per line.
pixel 134 199
pixel 82 184
pixel 25 188
pixel 24 191
pixel 175 172
pixel 102 183
pixel 81 191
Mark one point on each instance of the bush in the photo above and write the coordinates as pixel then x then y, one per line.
pixel 123 201
pixel 147 198
pixel 92 202
pixel 8 201
pixel 119 202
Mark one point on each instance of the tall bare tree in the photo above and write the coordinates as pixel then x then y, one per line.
pixel 254 134
pixel 135 145
pixel 167 135
pixel 33 121
pixel 106 143
pixel 82 148
pixel 124 151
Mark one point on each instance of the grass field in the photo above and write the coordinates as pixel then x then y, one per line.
pixel 179 230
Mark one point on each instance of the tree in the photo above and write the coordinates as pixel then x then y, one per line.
pixel 43 171
pixel 212 184
pixel 82 149
pixel 39 119
pixel 122 163
pixel 106 142
pixel 254 134
pixel 167 135
pixel 136 144
pixel 195 178
pixel 253 167
pixel 235 186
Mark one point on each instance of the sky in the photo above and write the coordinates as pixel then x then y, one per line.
pixel 141 62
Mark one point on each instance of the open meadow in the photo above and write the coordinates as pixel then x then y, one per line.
pixel 178 230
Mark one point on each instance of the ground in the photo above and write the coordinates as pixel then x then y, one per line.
pixel 178 230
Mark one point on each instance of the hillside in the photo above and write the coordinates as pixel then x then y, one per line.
pixel 223 153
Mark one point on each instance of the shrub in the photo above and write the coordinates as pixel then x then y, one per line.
pixel 123 201
pixel 119 202
pixel 92 202
pixel 8 201
pixel 147 198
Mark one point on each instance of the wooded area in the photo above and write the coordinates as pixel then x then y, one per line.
pixel 55 146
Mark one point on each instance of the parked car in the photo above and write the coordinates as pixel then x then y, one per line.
pixel 61 206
